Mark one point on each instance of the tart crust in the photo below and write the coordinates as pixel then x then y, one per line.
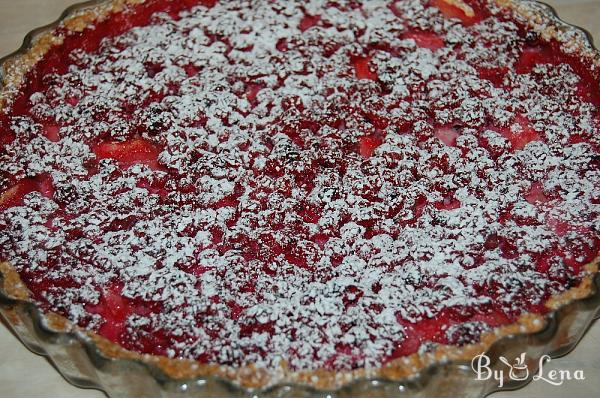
pixel 16 66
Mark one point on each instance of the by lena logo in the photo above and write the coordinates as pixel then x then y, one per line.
pixel 519 370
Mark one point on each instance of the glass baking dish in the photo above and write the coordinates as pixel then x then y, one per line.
pixel 84 364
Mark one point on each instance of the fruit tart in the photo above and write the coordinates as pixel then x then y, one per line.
pixel 307 192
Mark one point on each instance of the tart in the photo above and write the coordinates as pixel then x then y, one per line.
pixel 313 192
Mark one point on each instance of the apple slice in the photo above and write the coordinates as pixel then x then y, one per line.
pixel 523 136
pixel 363 70
pixel 368 145
pixel 493 75
pixel 457 9
pixel 114 310
pixel 252 90
pixel 128 153
pixel 449 203
pixel 535 55
pixel 51 132
pixel 308 22
pixel 588 92
pixel 536 194
pixel 14 196
pixel 447 135
pixel 424 39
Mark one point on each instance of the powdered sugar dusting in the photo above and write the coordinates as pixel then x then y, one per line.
pixel 325 183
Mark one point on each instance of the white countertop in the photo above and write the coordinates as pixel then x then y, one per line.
pixel 24 374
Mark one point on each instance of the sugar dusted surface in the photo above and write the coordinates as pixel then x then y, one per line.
pixel 297 212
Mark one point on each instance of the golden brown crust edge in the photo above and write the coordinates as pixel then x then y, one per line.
pixel 15 68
